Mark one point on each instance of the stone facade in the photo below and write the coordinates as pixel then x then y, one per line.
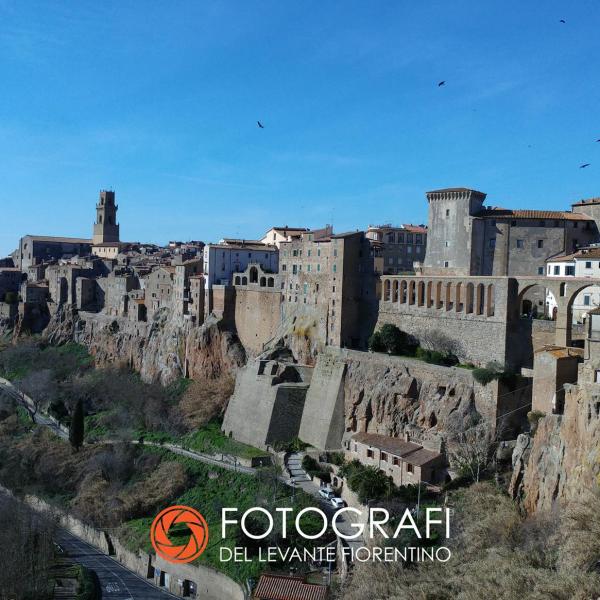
pixel 466 238
pixel 35 249
pixel 106 228
pixel 401 247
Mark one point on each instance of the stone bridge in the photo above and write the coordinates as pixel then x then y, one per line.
pixel 483 315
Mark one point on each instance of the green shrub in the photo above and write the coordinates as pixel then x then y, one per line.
pixel 336 458
pixel 394 340
pixel 376 342
pixel 483 375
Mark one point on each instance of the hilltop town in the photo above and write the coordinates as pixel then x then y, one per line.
pixel 388 346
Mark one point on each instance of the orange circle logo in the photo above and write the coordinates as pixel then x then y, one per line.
pixel 173 550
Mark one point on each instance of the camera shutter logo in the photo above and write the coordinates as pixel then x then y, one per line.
pixel 177 552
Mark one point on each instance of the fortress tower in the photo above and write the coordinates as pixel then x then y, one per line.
pixel 106 228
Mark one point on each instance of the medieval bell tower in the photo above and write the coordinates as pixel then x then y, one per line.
pixel 106 228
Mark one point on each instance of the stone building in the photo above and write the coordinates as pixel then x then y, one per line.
pixel 62 280
pixel 328 284
pixel 585 263
pixel 181 286
pixel 401 246
pixel 406 462
pixel 222 260
pixel 467 238
pixel 35 249
pixel 158 286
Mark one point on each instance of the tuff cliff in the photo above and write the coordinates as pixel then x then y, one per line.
pixel 391 396
pixel 562 457
pixel 160 350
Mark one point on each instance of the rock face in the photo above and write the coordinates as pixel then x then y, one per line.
pixel 392 396
pixel 161 350
pixel 563 457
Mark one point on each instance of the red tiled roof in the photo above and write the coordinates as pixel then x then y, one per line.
pixel 582 253
pixel 281 587
pixel 415 228
pixel 532 214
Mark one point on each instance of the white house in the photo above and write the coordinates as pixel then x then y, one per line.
pixel 276 235
pixel 223 259
pixel 583 263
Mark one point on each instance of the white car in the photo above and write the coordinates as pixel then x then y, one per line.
pixel 337 502
pixel 325 493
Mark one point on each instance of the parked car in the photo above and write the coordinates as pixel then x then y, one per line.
pixel 337 502
pixel 326 493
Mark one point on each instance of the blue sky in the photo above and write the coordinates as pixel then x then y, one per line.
pixel 159 101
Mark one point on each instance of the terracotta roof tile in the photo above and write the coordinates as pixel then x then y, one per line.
pixel 280 587
pixel 408 451
pixel 532 214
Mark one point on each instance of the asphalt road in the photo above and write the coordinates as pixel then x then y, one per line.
pixel 116 581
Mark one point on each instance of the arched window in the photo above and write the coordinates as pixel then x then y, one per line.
pixel 458 297
pixel 263 282
pixel 386 290
pixel 253 275
pixel 237 280
pixel 438 295
pixel 411 292
pixel 270 282
pixel 429 294
pixel 395 291
pixel 403 288
pixel 244 280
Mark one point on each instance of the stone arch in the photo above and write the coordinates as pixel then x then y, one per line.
pixel 429 294
pixel 421 294
pixel 528 305
pixel 253 275
pixel 470 298
pixel 458 297
pixel 411 291
pixel 403 292
pixel 438 294
pixel 386 290
pixel 448 298
pixel 479 299
pixel 395 291
pixel 491 300
pixel 270 282
pixel 564 314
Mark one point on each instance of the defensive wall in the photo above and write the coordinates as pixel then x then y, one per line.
pixel 210 584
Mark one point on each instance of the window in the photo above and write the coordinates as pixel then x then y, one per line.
pixel 588 264
pixel 384 457
pixel 557 269
pixel 308 268
pixel 319 252
pixel 570 270
pixel 409 250
pixel 283 267
pixel 540 270
pixel 446 264
pixel 308 253
pixel 369 453
pixel 294 269
pixel 447 244
pixel 493 243
pixel 419 238
pixel 295 253
pixel 318 268
pixel 409 238
pixel 586 300
pixel 520 244
pixel 409 468
pixel 335 268
pixel 395 461
pixel 335 252
pixel 447 212
pixel 540 243
pixel 305 288
pixel 575 224
pixel 401 238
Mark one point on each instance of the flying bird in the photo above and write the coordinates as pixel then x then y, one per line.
pixel 562 21
pixel 441 83
pixel 260 124
pixel 584 165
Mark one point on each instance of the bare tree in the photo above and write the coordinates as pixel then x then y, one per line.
pixel 41 389
pixel 474 450
pixel 438 341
